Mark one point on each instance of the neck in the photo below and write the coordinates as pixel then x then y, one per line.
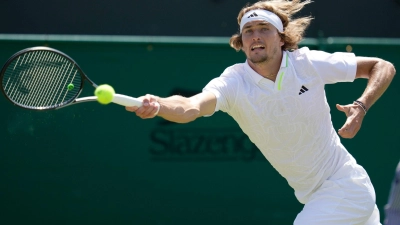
pixel 268 69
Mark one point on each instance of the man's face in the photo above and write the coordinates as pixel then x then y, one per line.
pixel 261 41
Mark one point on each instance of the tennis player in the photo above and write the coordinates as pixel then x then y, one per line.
pixel 277 97
pixel 392 208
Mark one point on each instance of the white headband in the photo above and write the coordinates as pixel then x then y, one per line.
pixel 260 14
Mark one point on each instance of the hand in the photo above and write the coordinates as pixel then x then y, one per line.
pixel 148 110
pixel 355 115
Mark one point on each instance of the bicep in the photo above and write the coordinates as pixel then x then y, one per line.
pixel 364 66
pixel 205 102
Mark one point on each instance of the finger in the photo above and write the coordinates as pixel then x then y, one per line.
pixel 158 107
pixel 141 111
pixel 154 109
pixel 345 133
pixel 146 102
pixel 131 108
pixel 341 108
pixel 348 130
pixel 147 111
pixel 343 130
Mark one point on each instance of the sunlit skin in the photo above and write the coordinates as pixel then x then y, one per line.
pixel 262 46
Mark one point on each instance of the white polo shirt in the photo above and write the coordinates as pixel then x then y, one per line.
pixel 289 119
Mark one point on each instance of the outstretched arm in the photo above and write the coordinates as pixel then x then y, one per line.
pixel 380 73
pixel 176 108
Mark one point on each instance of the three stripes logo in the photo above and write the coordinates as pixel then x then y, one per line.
pixel 253 15
pixel 302 90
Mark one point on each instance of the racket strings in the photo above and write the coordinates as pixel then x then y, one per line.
pixel 39 79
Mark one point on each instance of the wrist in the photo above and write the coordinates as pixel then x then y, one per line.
pixel 157 103
pixel 361 105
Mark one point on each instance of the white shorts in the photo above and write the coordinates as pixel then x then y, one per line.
pixel 348 197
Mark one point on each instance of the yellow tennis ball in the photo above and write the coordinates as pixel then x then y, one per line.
pixel 105 93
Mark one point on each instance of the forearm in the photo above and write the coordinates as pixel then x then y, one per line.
pixel 380 73
pixel 178 109
pixel 379 77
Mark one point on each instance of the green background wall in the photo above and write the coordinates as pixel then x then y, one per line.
pixel 95 164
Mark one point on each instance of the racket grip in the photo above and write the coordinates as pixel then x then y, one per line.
pixel 126 100
pixel 130 101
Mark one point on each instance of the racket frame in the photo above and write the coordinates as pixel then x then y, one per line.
pixel 71 101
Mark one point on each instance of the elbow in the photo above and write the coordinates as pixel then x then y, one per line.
pixel 387 69
pixel 392 69
pixel 189 116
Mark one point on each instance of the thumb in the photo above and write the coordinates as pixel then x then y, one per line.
pixel 340 108
pixel 131 108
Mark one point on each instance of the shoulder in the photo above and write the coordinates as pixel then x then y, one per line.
pixel 295 53
pixel 301 57
pixel 317 55
pixel 234 71
pixel 225 87
pixel 232 75
pixel 331 67
pixel 304 53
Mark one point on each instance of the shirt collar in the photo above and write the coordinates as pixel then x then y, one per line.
pixel 256 76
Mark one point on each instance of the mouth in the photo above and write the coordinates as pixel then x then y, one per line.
pixel 254 47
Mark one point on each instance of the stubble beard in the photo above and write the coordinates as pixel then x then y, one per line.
pixel 259 59
pixel 264 58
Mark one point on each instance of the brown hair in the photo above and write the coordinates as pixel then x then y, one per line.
pixel 293 28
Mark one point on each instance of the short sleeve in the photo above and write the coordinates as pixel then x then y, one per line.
pixel 224 90
pixel 333 68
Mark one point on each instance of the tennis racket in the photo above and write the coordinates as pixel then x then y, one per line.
pixel 42 78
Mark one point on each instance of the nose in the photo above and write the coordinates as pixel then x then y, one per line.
pixel 256 36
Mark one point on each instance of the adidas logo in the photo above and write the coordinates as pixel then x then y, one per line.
pixel 253 15
pixel 302 90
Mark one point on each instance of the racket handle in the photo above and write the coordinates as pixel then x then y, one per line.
pixel 130 101
pixel 126 100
